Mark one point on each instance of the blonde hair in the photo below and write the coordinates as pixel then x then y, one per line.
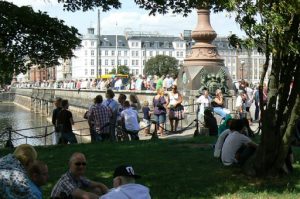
pixel 26 154
pixel 145 103
pixel 160 91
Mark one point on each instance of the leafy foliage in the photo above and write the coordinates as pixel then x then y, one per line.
pixel 161 65
pixel 86 5
pixel 32 38
pixel 121 70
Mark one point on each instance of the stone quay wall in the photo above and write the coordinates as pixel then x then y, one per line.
pixel 40 100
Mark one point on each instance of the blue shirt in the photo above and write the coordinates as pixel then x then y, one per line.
pixel 36 191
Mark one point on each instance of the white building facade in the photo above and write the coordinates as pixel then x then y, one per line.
pixel 133 49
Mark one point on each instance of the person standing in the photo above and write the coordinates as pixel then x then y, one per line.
pixel 175 108
pixel 159 83
pixel 130 120
pixel 99 116
pixel 64 123
pixel 114 107
pixel 205 102
pixel 56 135
pixel 159 104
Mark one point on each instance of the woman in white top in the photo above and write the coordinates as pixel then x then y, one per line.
pixel 175 108
pixel 205 101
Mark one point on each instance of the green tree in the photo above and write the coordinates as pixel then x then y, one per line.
pixel 272 27
pixel 161 65
pixel 32 38
pixel 121 70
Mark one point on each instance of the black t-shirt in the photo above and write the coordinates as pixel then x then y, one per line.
pixel 146 113
pixel 54 115
pixel 63 120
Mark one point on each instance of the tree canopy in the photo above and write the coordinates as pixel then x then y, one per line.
pixel 161 65
pixel 122 69
pixel 32 38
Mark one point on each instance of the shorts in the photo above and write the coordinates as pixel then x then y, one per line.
pixel 160 119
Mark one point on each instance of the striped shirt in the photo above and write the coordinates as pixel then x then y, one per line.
pixel 67 184
pixel 100 115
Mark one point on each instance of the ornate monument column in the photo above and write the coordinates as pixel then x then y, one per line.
pixel 204 67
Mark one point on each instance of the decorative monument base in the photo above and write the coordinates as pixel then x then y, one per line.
pixel 203 66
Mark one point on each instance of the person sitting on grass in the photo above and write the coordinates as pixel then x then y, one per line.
pixel 38 173
pixel 125 186
pixel 14 181
pixel 225 124
pixel 130 121
pixel 73 184
pixel 237 147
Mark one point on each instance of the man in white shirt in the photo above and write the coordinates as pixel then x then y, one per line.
pixel 125 186
pixel 237 147
pixel 129 117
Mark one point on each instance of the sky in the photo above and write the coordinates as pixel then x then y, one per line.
pixel 131 17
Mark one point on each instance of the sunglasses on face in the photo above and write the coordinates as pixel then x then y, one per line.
pixel 80 163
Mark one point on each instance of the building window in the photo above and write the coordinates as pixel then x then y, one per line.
pixel 133 62
pixel 119 53
pixel 85 53
pixel 92 52
pixel 125 53
pixel 106 62
pixel 125 62
pixel 92 62
pixel 177 54
pixel 106 52
pixel 181 54
pixel 100 62
pixel 85 62
pixel 112 53
pixel 92 72
pixel 137 62
pixel 112 62
pixel 85 71
pixel 92 43
pixel 137 53
pixel 106 71
pixel 132 44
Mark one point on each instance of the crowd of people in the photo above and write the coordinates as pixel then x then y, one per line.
pixel 107 117
pixel 139 82
pixel 22 176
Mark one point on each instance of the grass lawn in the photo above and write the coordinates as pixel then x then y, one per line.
pixel 182 169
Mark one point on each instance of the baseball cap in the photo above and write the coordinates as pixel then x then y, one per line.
pixel 125 170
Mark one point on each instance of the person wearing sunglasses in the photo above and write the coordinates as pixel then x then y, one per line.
pixel 74 184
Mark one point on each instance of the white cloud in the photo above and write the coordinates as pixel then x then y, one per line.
pixel 130 17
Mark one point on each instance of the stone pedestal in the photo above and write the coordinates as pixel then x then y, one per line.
pixel 204 67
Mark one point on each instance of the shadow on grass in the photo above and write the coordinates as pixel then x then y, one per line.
pixel 171 169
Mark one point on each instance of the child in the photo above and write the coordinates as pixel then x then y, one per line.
pixel 146 118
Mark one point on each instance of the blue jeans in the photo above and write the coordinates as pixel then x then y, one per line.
pixel 220 111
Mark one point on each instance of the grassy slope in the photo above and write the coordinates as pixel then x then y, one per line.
pixel 172 169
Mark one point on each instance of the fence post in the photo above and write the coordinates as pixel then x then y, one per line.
pixel 154 134
pixel 45 135
pixel 9 143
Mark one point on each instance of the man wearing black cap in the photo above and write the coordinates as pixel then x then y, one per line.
pixel 125 187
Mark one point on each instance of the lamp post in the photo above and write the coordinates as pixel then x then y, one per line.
pixel 242 68
pixel 116 53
